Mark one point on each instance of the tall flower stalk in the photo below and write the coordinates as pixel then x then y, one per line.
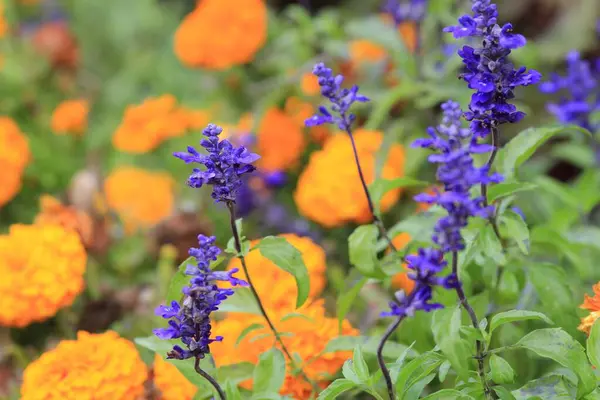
pixel 225 165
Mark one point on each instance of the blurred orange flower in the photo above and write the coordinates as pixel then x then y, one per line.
pixel 170 382
pixel 307 333
pixel 220 34
pixel 141 198
pixel 95 366
pixel 329 190
pixel 14 157
pixel 590 303
pixel 310 84
pixel 70 116
pixel 52 211
pixel 300 111
pixel 3 22
pixel 280 141
pixel 408 32
pixel 401 280
pixel 283 295
pixel 362 51
pixel 42 269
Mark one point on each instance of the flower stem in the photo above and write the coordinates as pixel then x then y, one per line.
pixel 484 187
pixel 386 373
pixel 263 311
pixel 480 354
pixel 209 378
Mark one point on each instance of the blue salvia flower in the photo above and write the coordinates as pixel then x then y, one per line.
pixel 454 146
pixel 581 86
pixel 488 70
pixel 402 11
pixel 190 319
pixel 340 99
pixel 224 165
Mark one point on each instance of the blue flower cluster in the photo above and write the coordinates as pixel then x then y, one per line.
pixel 411 10
pixel 454 146
pixel 224 165
pixel 340 99
pixel 488 70
pixel 582 83
pixel 190 320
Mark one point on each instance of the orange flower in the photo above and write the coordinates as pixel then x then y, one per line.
pixel 283 295
pixel 307 334
pixel 170 382
pixel 332 195
pixel 95 366
pixel 365 51
pixel 310 84
pixel 280 141
pixel 408 31
pixel 14 157
pixel 52 211
pixel 141 198
pixel 300 111
pixel 590 303
pixel 220 34
pixel 401 280
pixel 3 22
pixel 42 269
pixel 70 116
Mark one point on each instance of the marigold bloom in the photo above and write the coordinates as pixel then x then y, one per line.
pixel 309 84
pixel 171 384
pixel 283 295
pixel 300 111
pixel 141 198
pixel 408 31
pixel 401 280
pixel 14 156
pixel 588 321
pixel 52 211
pixel 220 34
pixel 280 141
pixel 308 335
pixel 590 303
pixel 365 51
pixel 3 22
pixel 42 269
pixel 95 366
pixel 329 190
pixel 70 116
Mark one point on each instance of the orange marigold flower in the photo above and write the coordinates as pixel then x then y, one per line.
pixel 588 322
pixel 309 334
pixel 3 22
pixel 170 382
pixel 310 84
pixel 14 157
pixel 70 116
pixel 42 269
pixel 300 111
pixel 408 31
pixel 141 198
pixel 333 196
pixel 363 50
pixel 220 34
pixel 52 211
pixel 401 280
pixel 95 366
pixel 590 303
pixel 280 141
pixel 283 295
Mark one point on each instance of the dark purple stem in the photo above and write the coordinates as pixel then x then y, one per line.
pixel 209 378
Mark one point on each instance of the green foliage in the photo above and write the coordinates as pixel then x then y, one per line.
pixel 363 256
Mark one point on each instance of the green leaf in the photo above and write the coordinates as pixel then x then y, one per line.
pixel 336 388
pixel 363 253
pixel 508 288
pixel 593 344
pixel 522 146
pixel 559 190
pixel 446 324
pixel 491 246
pixel 551 387
pixel 247 330
pixel 506 189
pixel 179 280
pixel 241 301
pixel 517 315
pixel 346 299
pixel 503 393
pixel 417 370
pixel 236 373
pixel 289 259
pixel 381 186
pixel 349 373
pixel 447 394
pixel 517 229
pixel 558 345
pixel 360 365
pixel 500 370
pixel 232 392
pixel 269 373
pixel 392 350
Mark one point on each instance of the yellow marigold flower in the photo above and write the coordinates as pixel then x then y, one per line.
pixel 70 116
pixel 333 196
pixel 14 157
pixel 280 141
pixel 590 303
pixel 283 295
pixel 308 335
pixel 171 384
pixel 141 198
pixel 52 211
pixel 310 84
pixel 363 50
pixel 42 269
pixel 220 34
pixel 401 280
pixel 95 366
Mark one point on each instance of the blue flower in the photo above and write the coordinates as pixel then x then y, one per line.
pixel 412 10
pixel 224 165
pixel 488 70
pixel 340 99
pixel 581 86
pixel 190 320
